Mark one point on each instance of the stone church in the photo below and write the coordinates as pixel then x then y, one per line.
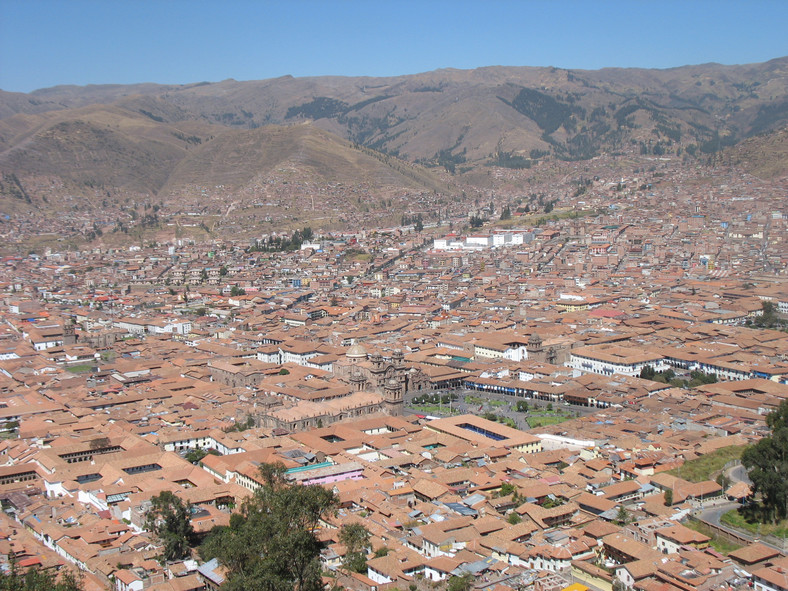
pixel 374 373
pixel 537 352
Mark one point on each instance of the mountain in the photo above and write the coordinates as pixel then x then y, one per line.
pixel 422 133
pixel 138 150
pixel 765 156
pixel 473 114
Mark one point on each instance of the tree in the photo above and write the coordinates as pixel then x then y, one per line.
pixel 169 519
pixel 514 518
pixel 462 583
pixel 237 291
pixel 507 488
pixel 669 497
pixel 506 214
pixel 767 464
pixel 34 579
pixel 195 455
pixel 622 517
pixel 647 373
pixel 770 317
pixel 355 538
pixel 271 543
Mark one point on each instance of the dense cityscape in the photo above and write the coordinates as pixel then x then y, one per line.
pixel 550 389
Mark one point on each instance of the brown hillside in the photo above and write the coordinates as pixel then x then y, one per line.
pixel 764 156
pixel 304 152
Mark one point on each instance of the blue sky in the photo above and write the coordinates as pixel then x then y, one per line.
pixel 49 42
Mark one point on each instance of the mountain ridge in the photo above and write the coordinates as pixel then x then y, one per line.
pixel 397 134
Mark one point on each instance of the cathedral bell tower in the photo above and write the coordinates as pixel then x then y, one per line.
pixel 395 387
pixel 535 349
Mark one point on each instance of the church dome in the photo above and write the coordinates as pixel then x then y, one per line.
pixel 356 352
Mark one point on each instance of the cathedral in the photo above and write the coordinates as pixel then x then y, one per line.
pixel 536 351
pixel 374 373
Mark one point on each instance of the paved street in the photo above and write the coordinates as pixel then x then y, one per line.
pixel 739 474
pixel 712 514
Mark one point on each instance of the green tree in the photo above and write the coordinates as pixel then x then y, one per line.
pixel 767 464
pixel 514 518
pixel 506 214
pixel 622 517
pixel 237 291
pixel 169 519
pixel 271 543
pixel 669 497
pixel 462 583
pixel 507 488
pixel 34 579
pixel 355 538
pixel 647 373
pixel 195 455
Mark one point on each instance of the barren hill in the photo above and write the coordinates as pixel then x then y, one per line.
pixel 471 115
pixel 383 135
pixel 765 156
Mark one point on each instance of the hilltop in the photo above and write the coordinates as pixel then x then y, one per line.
pixel 336 148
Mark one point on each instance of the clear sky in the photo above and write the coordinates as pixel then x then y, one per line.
pixel 49 42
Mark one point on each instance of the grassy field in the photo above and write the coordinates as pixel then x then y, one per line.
pixel 704 467
pixel 748 522
pixel 79 368
pixel 545 420
pixel 720 544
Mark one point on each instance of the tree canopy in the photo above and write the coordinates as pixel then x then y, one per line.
pixel 34 579
pixel 355 538
pixel 271 544
pixel 767 464
pixel 461 583
pixel 169 519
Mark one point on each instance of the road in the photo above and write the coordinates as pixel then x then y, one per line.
pixel 739 474
pixel 713 514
